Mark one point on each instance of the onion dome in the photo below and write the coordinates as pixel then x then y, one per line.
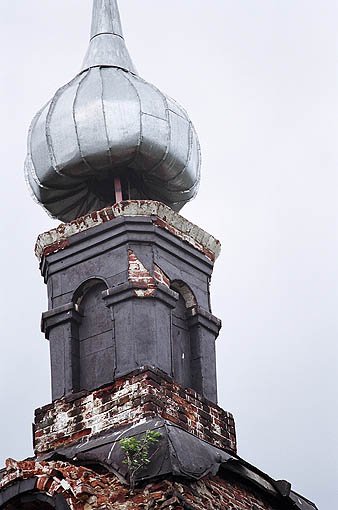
pixel 109 135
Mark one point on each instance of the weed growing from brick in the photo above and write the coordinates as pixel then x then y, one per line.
pixel 137 452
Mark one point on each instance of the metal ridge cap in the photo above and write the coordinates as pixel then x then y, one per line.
pixel 57 239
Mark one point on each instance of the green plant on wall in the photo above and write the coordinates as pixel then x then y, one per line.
pixel 137 452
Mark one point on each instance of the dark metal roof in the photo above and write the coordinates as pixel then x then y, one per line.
pixel 178 453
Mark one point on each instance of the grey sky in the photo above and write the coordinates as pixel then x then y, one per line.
pixel 259 79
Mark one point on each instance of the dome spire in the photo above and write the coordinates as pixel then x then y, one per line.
pixel 108 135
pixel 107 46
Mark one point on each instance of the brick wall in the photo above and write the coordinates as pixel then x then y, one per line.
pixel 144 394
pixel 140 277
pixel 83 488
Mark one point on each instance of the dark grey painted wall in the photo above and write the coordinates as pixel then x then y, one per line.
pixel 100 330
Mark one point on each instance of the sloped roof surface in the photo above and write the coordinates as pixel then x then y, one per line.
pixel 180 454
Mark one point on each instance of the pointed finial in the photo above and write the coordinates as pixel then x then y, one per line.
pixel 107 46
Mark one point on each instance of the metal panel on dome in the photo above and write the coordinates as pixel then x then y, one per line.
pixel 179 148
pixel 90 122
pixel 39 149
pixel 154 142
pixel 176 108
pixel 67 202
pixel 62 131
pixel 152 101
pixel 124 132
pixel 187 178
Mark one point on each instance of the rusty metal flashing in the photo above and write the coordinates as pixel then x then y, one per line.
pixel 57 239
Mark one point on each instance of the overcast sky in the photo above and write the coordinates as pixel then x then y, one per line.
pixel 259 79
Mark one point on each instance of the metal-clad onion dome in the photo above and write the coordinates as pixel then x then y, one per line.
pixel 109 126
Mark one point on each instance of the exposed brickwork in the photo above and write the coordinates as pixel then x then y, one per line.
pixel 160 276
pixel 81 487
pixel 57 239
pixel 144 282
pixel 139 276
pixel 171 228
pixel 131 400
pixel 216 493
pixel 86 489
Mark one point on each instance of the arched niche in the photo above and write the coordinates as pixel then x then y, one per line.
pixel 185 292
pixel 95 336
pixel 181 335
pixel 30 502
pixel 17 497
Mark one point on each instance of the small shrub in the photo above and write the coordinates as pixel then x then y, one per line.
pixel 137 452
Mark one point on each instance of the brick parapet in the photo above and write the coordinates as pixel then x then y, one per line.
pixel 130 400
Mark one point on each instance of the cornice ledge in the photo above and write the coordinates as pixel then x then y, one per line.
pixel 58 238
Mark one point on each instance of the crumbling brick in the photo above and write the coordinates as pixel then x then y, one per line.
pixel 144 393
pixel 84 488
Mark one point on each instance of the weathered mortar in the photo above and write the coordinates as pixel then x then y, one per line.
pixel 130 400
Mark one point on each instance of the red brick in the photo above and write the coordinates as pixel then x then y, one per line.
pixel 160 396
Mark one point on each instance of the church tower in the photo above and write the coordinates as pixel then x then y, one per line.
pixel 134 421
